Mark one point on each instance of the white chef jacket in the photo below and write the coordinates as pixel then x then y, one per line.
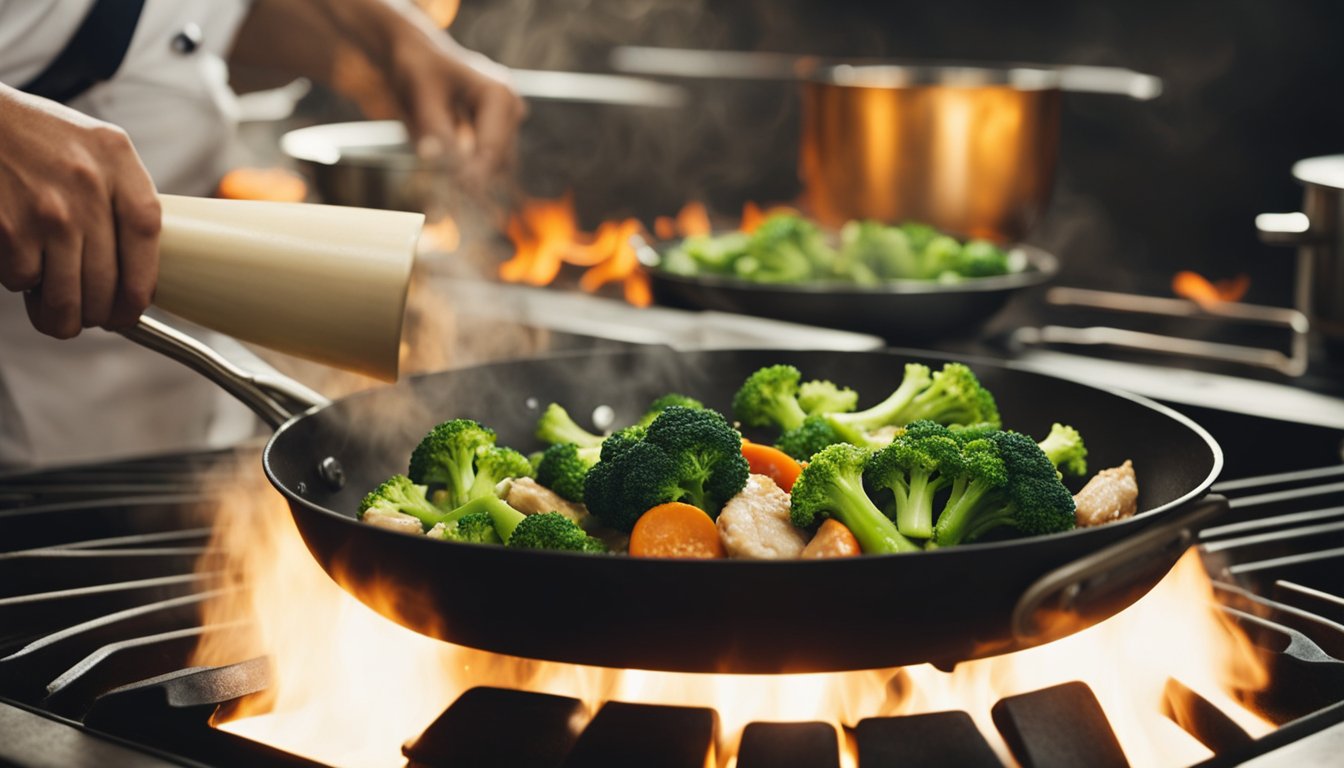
pixel 99 396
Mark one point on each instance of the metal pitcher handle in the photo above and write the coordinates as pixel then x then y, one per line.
pixel 274 398
pixel 1058 603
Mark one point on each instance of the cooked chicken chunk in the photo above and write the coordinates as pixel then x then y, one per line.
pixel 395 521
pixel 755 523
pixel 1112 494
pixel 531 498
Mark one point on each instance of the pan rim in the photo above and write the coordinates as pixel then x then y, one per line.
pixel 1141 518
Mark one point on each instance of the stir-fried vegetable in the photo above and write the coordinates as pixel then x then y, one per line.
pixel 787 248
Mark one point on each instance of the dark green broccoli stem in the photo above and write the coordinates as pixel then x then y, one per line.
pixel 965 511
pixel 854 426
pixel 556 426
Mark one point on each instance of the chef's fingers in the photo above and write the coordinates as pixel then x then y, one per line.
pixel 20 259
pixel 431 115
pixel 98 268
pixel 58 312
pixel 497 112
pixel 138 220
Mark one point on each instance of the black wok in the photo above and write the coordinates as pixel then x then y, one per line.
pixel 729 615
pixel 900 311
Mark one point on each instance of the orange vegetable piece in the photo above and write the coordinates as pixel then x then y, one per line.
pixel 776 464
pixel 676 530
pixel 833 539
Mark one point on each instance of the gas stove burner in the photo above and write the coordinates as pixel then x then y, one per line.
pixel 101 591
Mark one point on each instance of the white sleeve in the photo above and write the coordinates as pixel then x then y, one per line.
pixel 32 32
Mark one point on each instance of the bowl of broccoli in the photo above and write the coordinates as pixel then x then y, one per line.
pixel 906 283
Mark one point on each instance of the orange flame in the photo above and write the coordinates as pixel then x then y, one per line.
pixel 350 687
pixel 546 237
pixel 1197 288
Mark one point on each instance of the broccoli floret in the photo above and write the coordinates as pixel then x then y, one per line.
pixel 914 467
pixel 769 397
pixel 954 397
pixel 555 425
pixel 686 454
pixel 399 494
pixel 447 457
pixel 1064 446
pixel 814 434
pixel 820 396
pixel 494 464
pixel 473 528
pixel 563 468
pixel 981 258
pixel 1007 480
pixel 552 530
pixel 621 439
pixel 831 485
pixel 661 404
pixel 941 255
pixel 854 426
pixel 785 248
pixel 886 250
pixel 919 235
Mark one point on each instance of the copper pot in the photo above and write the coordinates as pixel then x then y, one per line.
pixel 969 150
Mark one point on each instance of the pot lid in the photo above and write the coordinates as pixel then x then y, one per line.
pixel 1325 171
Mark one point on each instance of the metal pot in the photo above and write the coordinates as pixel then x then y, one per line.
pixel 1318 233
pixel 968 149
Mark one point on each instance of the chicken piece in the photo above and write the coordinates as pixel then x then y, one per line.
pixel 1111 494
pixel 531 498
pixel 393 521
pixel 833 539
pixel 755 523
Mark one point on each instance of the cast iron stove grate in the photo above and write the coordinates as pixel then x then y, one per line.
pixel 100 600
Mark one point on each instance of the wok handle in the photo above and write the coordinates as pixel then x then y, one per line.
pixel 1070 597
pixel 274 398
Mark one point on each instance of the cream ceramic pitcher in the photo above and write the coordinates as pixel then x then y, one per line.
pixel 322 282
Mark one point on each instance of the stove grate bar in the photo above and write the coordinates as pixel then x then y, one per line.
pixel 138 540
pixel 1058 727
pixel 1269 537
pixel 1292 494
pixel 794 745
pixel 1272 522
pixel 936 738
pixel 1200 718
pixel 647 735
pixel 479 729
pixel 1281 478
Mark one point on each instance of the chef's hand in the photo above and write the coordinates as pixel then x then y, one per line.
pixel 79 217
pixel 458 102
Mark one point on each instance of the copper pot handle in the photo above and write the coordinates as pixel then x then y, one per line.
pixel 274 398
pixel 1070 597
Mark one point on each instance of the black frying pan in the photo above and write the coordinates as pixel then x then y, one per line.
pixel 900 311
pixel 726 615
pixel 733 616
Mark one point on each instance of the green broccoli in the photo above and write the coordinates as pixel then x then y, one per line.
pixel 494 464
pixel 769 397
pixel 661 404
pixel 915 466
pixel 981 258
pixel 447 457
pixel 556 426
pixel 886 250
pixel 941 255
pixel 621 439
pixel 919 235
pixel 950 396
pixel 831 485
pixel 564 466
pixel 821 396
pixel 399 494
pixel 1006 480
pixel 473 528
pixel 552 530
pixel 814 434
pixel 785 248
pixel 1064 446
pixel 686 454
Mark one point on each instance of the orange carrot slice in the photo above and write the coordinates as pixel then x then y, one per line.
pixel 778 465
pixel 676 530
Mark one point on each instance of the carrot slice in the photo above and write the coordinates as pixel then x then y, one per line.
pixel 778 465
pixel 676 530
pixel 833 539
